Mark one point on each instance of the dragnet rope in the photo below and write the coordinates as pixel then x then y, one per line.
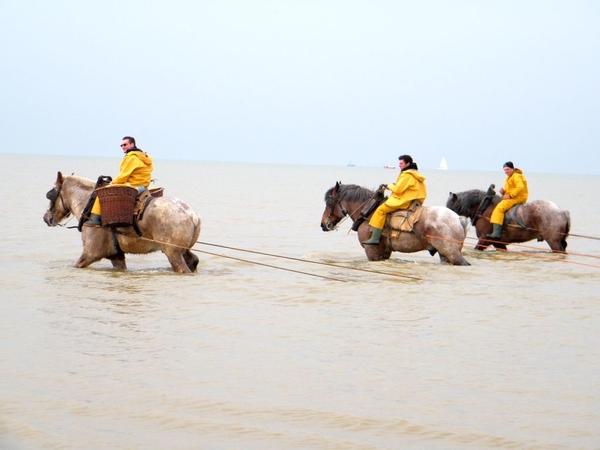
pixel 272 255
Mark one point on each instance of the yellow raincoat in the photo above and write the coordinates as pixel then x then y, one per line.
pixel 135 171
pixel 515 185
pixel 409 186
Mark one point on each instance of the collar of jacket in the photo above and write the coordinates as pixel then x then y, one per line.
pixel 411 166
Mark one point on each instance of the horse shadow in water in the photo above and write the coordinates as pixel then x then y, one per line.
pixel 538 219
pixel 437 230
pixel 168 224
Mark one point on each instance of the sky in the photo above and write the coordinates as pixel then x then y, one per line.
pixel 310 82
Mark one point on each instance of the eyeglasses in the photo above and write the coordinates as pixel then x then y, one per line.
pixel 124 145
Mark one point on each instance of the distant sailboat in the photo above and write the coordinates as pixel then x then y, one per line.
pixel 443 164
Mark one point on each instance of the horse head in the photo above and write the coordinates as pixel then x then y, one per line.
pixel 334 210
pixel 57 210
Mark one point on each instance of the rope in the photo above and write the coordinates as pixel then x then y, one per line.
pixel 310 261
pixel 338 265
pixel 229 257
pixel 269 265
pixel 530 254
pixel 268 254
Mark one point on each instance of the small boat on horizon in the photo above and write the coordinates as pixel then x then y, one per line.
pixel 350 164
pixel 443 164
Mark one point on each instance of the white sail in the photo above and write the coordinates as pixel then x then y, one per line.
pixel 443 164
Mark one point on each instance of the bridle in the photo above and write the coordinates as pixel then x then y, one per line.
pixel 53 195
pixel 332 202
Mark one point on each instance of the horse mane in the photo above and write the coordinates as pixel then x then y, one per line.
pixel 351 192
pixel 81 182
pixel 468 201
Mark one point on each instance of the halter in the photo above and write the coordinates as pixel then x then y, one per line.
pixel 331 203
pixel 54 194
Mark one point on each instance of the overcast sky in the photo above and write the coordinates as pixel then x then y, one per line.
pixel 306 82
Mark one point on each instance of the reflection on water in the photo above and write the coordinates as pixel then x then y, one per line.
pixel 501 354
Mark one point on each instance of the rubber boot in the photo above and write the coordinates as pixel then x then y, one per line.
pixel 93 221
pixel 496 233
pixel 375 237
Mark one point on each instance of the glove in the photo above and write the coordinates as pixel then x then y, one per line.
pixel 382 187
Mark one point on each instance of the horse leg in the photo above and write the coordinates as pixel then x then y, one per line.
pixel 556 245
pixel 450 253
pixel 377 252
pixel 456 259
pixel 482 244
pixel 97 244
pixel 118 261
pixel 175 257
pixel 191 260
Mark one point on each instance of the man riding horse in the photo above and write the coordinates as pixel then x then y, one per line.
pixel 409 186
pixel 135 171
pixel 514 192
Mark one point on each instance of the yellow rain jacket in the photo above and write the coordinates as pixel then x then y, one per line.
pixel 515 185
pixel 409 186
pixel 135 171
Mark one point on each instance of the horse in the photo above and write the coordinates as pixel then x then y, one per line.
pixel 538 219
pixel 437 230
pixel 168 224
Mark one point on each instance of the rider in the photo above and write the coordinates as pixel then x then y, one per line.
pixel 409 186
pixel 135 171
pixel 514 192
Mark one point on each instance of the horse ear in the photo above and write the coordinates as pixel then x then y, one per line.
pixel 59 177
pixel 337 184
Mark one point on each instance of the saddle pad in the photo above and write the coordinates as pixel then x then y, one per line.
pixel 141 203
pixel 404 219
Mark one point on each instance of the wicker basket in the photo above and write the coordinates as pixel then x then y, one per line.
pixel 117 203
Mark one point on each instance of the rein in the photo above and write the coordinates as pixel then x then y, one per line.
pixel 346 214
pixel 365 212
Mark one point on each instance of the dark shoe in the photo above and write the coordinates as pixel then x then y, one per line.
pixel 496 233
pixel 93 221
pixel 375 237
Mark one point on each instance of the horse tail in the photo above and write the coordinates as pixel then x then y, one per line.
pixel 196 231
pixel 563 241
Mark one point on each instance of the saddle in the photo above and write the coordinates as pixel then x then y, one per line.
pixel 403 220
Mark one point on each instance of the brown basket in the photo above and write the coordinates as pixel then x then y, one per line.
pixel 117 203
pixel 156 192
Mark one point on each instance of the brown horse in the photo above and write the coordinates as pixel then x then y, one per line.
pixel 168 224
pixel 438 229
pixel 539 219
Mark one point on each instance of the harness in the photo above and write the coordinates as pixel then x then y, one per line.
pixel 485 202
pixel 369 208
pixel 103 180
pixel 515 218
